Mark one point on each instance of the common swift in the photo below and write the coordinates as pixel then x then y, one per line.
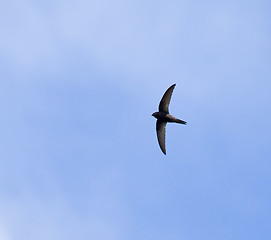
pixel 163 117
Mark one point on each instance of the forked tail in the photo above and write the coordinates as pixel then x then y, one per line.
pixel 180 121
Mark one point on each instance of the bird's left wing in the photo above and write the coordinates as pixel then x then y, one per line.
pixel 163 106
pixel 161 134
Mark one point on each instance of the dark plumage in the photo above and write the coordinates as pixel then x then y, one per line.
pixel 163 117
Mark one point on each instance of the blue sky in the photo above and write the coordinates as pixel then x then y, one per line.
pixel 78 150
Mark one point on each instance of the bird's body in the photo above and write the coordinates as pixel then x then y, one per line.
pixel 163 117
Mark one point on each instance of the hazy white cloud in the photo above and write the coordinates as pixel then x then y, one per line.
pixel 136 42
pixel 49 214
pixel 3 233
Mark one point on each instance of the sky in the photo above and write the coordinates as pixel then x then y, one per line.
pixel 79 158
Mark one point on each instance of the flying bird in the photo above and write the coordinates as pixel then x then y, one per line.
pixel 163 117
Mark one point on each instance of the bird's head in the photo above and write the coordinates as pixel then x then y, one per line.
pixel 155 114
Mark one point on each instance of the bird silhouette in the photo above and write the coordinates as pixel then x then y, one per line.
pixel 163 117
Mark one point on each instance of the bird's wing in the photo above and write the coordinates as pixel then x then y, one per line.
pixel 163 106
pixel 161 134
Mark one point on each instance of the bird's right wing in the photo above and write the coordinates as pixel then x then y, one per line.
pixel 163 106
pixel 161 134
